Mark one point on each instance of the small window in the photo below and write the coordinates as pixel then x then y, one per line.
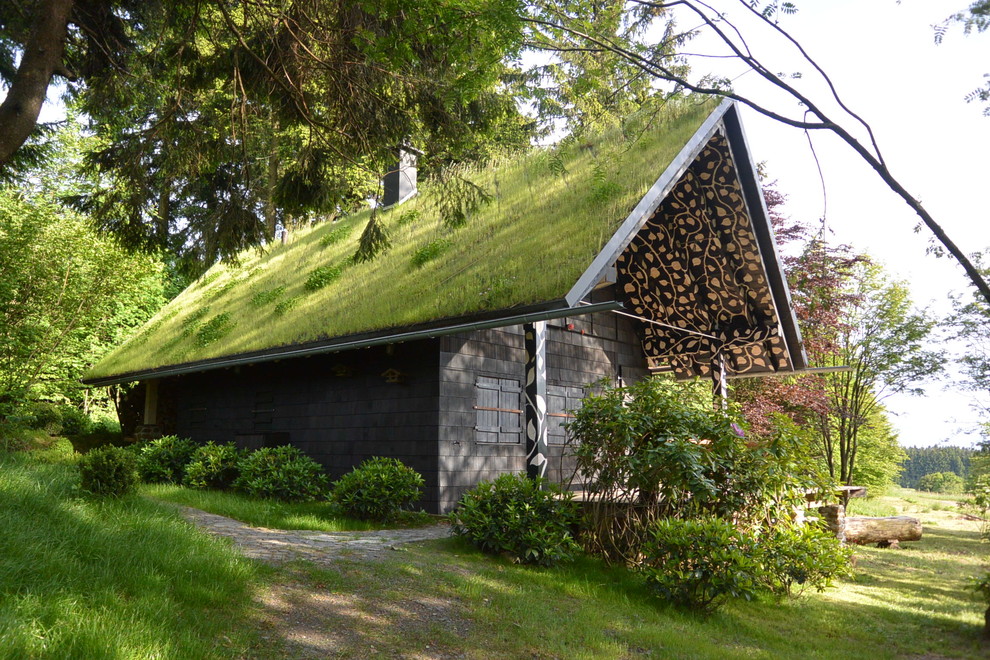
pixel 263 410
pixel 197 411
pixel 498 410
pixel 561 399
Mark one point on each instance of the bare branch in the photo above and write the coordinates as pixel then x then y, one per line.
pixel 873 158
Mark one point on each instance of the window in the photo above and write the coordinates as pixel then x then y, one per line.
pixel 498 410
pixel 560 400
pixel 263 410
pixel 197 411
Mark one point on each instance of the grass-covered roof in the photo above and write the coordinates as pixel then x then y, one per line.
pixel 551 212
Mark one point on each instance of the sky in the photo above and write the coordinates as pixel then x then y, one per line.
pixel 882 59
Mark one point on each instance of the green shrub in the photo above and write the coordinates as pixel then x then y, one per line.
pixel 980 504
pixel 190 324
pixel 214 466
pixel 407 217
pixel 208 279
pixel 528 519
pixel 699 564
pixel 662 444
pixel 378 489
pixel 804 555
pixel 285 306
pixel 267 297
pixel 430 251
pixel 74 421
pixel 52 418
pixel 214 329
pixel 42 416
pixel 281 473
pixel 336 235
pixel 321 277
pixel 104 431
pixel 941 482
pixel 164 460
pixel 108 472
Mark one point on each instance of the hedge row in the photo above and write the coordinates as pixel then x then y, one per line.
pixel 379 489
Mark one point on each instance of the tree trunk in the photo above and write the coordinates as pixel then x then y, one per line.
pixel 42 58
pixel 863 530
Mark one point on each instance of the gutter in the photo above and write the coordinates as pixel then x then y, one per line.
pixel 350 344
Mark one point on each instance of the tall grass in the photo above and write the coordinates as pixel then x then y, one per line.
pixel 87 578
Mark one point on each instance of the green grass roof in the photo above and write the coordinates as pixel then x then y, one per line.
pixel 528 245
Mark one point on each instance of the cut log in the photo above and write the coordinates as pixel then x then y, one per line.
pixel 862 530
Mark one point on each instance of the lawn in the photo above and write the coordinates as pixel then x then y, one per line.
pixel 316 516
pixel 129 579
pixel 84 578
pixel 909 603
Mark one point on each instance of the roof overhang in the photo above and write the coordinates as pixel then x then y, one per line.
pixel 543 312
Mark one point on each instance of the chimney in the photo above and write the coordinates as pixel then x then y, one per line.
pixel 400 181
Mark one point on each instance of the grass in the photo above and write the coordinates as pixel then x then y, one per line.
pixel 907 501
pixel 316 516
pixel 908 603
pixel 128 579
pixel 85 578
pixel 551 213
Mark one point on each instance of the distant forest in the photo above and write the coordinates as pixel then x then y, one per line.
pixel 926 460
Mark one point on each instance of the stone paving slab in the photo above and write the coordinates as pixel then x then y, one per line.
pixel 277 546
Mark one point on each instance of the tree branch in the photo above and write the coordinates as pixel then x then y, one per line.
pixel 874 160
pixel 41 59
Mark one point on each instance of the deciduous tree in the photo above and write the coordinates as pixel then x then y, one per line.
pixel 882 340
pixel 66 297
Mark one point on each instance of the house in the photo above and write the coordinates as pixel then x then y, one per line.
pixel 461 349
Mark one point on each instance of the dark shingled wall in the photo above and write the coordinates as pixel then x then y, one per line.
pixel 580 350
pixel 340 410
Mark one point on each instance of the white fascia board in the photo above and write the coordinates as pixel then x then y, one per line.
pixel 646 206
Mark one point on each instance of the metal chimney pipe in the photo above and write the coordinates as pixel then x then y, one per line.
pixel 399 182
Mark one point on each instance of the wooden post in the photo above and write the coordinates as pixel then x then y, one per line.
pixel 535 340
pixel 151 402
pixel 720 388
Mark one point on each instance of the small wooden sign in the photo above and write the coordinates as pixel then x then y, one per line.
pixel 393 376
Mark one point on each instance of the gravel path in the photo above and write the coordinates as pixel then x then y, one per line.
pixel 277 546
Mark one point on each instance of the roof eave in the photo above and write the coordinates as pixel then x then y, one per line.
pixel 529 314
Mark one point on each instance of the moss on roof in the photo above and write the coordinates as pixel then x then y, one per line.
pixel 552 211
